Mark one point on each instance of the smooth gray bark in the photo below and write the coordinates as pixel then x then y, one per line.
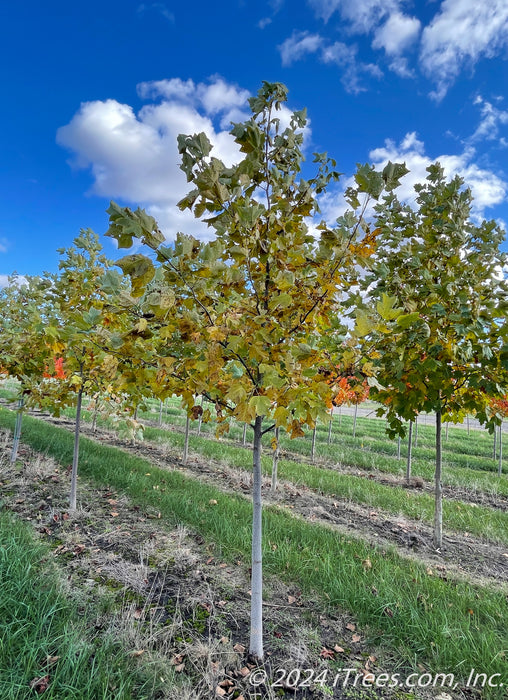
pixel 275 463
pixel 438 512
pixel 330 426
pixel 186 441
pixel 495 439
pixel 17 431
pixel 313 445
pixel 256 615
pixel 354 420
pixel 415 433
pixel 75 456
pixel 244 435
pixel 160 412
pixel 500 466
pixel 409 450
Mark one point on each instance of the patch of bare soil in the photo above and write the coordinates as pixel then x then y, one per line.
pixel 176 605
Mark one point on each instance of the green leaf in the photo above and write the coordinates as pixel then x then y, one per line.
pixel 386 308
pixel 407 320
pixel 140 269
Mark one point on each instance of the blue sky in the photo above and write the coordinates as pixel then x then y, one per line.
pixel 95 94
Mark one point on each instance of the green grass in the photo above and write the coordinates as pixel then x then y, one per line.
pixel 39 621
pixel 448 625
pixel 482 521
pixel 468 460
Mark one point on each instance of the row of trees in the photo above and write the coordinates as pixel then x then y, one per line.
pixel 259 320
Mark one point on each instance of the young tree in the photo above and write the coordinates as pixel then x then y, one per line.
pixel 25 355
pixel 439 300
pixel 250 307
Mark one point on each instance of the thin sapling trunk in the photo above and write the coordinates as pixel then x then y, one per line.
pixel 186 440
pixel 75 456
pixel 330 426
pixel 438 513
pixel 17 430
pixel 500 466
pixel 275 463
pixel 313 445
pixel 409 451
pixel 256 617
pixel 354 420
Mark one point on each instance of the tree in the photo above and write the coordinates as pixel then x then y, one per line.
pixel 250 307
pixel 24 352
pixel 435 280
pixel 75 330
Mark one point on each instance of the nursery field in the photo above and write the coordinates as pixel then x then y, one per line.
pixel 151 574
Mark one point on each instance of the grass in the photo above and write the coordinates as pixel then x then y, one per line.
pixel 448 625
pixel 489 523
pixel 44 634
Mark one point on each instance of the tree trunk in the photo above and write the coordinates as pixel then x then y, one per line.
pixel 438 513
pixel 256 615
pixel 415 438
pixel 244 435
pixel 275 463
pixel 495 438
pixel 17 431
pixel 398 447
pixel 467 422
pixel 354 420
pixel 330 426
pixel 313 445
pixel 186 441
pixel 75 456
pixel 94 419
pixel 409 450
pixel 160 413
pixel 200 421
pixel 500 467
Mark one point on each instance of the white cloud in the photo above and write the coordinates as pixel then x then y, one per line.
pixel 363 15
pixel 299 44
pixel 339 53
pixel 463 32
pixel 488 188
pixel 491 119
pixel 134 157
pixel 3 245
pixel 6 280
pixel 396 34
pixel 353 70
pixel 158 7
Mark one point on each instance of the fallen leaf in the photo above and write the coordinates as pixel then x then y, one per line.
pixel 239 648
pixel 327 653
pixel 338 649
pixel 220 691
pixel 356 638
pixel 367 564
pixel 244 672
pixel 213 502
pixel 179 668
pixel 40 685
pixel 226 683
pixel 114 514
pixel 372 658
pixel 65 516
pixel 176 660
pixel 137 614
pixel 351 627
pixel 291 599
pixel 50 660
pixel 137 652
